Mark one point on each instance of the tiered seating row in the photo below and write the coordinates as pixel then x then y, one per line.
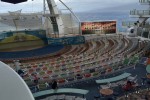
pixel 98 56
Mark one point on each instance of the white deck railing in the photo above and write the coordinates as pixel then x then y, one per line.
pixel 139 12
pixel 128 23
pixel 144 1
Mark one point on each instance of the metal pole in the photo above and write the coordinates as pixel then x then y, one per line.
pixel 73 15
pixel 44 6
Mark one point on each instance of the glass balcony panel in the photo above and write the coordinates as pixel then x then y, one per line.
pixel 144 1
pixel 140 12
pixel 128 23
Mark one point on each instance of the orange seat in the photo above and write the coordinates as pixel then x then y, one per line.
pixel 30 70
pixel 87 75
pixel 44 68
pixel 148 61
pixel 49 72
pixel 109 69
pixel 61 80
pixel 57 66
pixel 77 67
pixel 26 75
pixel 45 77
pixel 78 71
pixel 35 66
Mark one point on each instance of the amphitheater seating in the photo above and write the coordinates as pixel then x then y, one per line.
pixel 42 86
pixel 143 60
pixel 98 56
pixel 134 59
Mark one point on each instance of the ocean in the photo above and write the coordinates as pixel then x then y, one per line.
pixel 100 16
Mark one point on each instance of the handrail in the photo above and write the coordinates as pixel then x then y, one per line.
pixel 139 12
pixel 62 90
pixel 113 79
pixel 144 1
pixel 128 23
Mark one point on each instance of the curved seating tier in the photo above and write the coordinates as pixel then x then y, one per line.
pixel 100 55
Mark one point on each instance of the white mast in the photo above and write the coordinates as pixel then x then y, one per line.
pixel 44 7
pixel 56 20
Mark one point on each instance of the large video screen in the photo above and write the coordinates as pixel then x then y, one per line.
pixel 98 27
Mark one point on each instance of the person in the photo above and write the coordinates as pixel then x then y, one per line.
pixel 128 86
pixel 35 79
pixel 54 84
pixel 17 65
pixel 47 84
pixel 21 72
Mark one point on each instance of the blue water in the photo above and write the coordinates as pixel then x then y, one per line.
pixel 95 16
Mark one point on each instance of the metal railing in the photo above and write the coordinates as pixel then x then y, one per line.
pixel 144 1
pixel 127 23
pixel 139 12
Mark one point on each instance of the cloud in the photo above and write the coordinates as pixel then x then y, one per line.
pixel 75 5
pixel 85 5
pixel 25 6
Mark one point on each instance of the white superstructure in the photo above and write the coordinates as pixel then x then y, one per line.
pixel 53 21
pixel 141 27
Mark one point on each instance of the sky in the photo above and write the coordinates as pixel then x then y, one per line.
pixel 75 5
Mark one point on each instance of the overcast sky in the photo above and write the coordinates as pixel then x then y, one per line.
pixel 75 5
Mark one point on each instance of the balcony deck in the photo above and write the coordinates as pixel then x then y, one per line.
pixel 139 13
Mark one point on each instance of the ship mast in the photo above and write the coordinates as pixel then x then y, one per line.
pixel 44 6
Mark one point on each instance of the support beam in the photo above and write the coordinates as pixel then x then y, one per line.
pixel 14 21
pixel 57 22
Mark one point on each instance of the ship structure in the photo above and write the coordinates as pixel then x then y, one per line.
pixel 55 22
pixel 58 57
pixel 141 26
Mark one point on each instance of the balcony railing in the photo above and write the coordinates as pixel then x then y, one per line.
pixel 140 12
pixel 144 1
pixel 131 23
pixel 126 24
